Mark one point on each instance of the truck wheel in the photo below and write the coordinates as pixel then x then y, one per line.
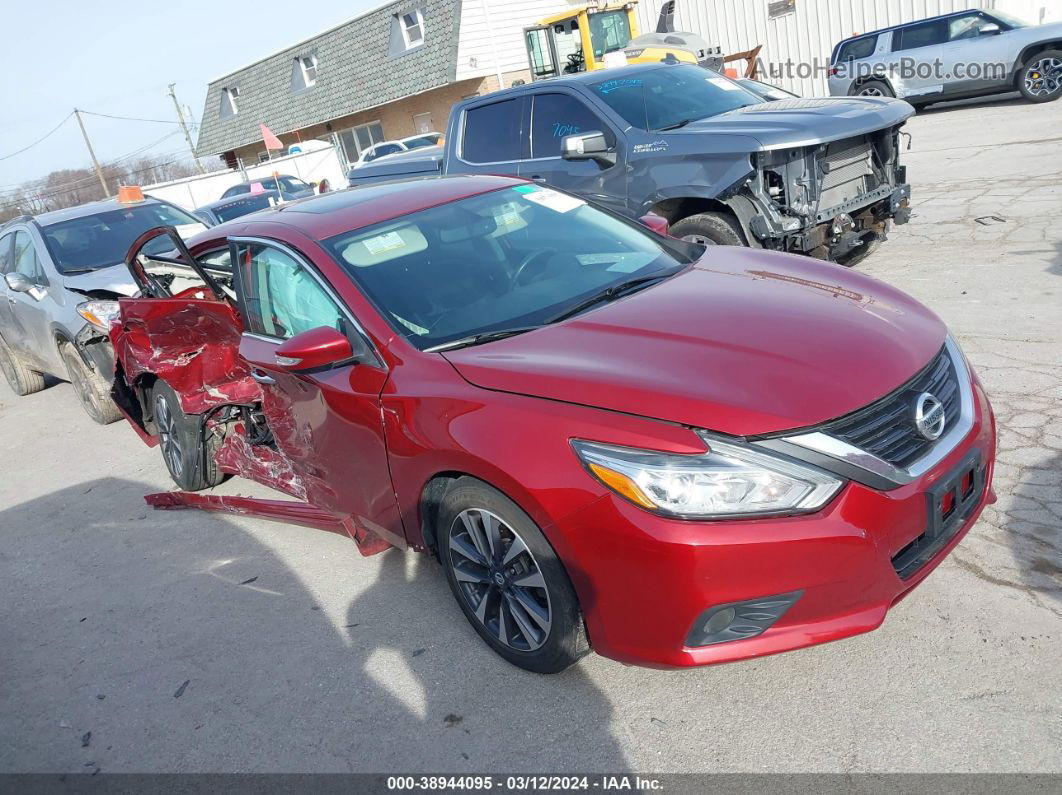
pixel 21 379
pixel 1040 80
pixel 507 579
pixel 872 88
pixel 190 462
pixel 93 392
pixel 709 229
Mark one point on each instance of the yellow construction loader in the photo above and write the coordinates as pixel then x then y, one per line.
pixel 600 35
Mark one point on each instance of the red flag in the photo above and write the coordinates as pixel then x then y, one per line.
pixel 270 140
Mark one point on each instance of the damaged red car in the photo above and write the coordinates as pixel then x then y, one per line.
pixel 673 454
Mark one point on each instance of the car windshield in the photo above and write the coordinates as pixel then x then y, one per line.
pixel 249 203
pixel 103 239
pixel 660 98
pixel 515 257
pixel 1010 19
pixel 417 143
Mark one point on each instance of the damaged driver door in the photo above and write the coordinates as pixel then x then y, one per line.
pixel 322 404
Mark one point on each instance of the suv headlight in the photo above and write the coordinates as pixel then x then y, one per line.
pixel 728 481
pixel 101 314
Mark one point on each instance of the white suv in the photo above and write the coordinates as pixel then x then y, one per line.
pixel 965 54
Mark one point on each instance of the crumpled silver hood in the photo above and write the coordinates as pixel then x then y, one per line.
pixel 115 279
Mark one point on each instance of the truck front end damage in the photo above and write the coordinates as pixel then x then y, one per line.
pixel 832 201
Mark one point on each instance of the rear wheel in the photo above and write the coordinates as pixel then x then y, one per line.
pixel 21 379
pixel 1040 80
pixel 709 229
pixel 93 392
pixel 190 462
pixel 507 579
pixel 872 88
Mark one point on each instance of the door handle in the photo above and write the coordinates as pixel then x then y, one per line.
pixel 262 377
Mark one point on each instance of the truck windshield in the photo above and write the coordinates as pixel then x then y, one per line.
pixel 103 239
pixel 670 96
pixel 609 31
pixel 512 258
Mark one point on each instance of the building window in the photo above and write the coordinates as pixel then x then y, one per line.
pixel 304 72
pixel 263 157
pixel 357 139
pixel 229 102
pixel 412 25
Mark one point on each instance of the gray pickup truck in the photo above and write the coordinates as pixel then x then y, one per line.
pixel 813 176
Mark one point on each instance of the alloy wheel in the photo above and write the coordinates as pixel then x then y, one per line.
pixel 500 580
pixel 83 389
pixel 872 92
pixel 1044 77
pixel 167 427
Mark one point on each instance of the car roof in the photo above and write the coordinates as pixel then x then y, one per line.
pixel 580 78
pixel 92 208
pixel 913 22
pixel 322 216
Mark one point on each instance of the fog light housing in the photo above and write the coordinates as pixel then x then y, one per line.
pixel 739 620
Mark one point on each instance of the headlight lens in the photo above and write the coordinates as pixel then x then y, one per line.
pixel 101 314
pixel 730 480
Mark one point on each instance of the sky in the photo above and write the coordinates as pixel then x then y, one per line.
pixel 117 57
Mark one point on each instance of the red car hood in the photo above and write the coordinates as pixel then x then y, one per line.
pixel 745 342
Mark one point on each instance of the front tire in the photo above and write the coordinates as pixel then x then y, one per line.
pixel 709 229
pixel 22 380
pixel 507 579
pixel 91 390
pixel 1040 80
pixel 189 460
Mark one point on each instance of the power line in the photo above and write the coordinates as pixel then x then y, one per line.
pixel 42 138
pixel 128 118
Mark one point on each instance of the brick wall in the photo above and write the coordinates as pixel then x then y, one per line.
pixel 397 117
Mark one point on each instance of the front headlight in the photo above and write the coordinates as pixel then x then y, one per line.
pixel 728 481
pixel 101 314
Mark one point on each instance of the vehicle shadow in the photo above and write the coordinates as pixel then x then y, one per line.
pixel 996 101
pixel 1034 529
pixel 139 640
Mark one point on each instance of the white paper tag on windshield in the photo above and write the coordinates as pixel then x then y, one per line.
pixel 723 83
pixel 551 199
pixel 388 241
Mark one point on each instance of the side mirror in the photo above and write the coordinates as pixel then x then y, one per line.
pixel 991 29
pixel 318 347
pixel 655 222
pixel 587 146
pixel 18 283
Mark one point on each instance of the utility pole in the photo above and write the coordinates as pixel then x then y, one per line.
pixel 187 135
pixel 95 163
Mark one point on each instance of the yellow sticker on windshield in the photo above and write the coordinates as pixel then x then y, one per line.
pixel 388 241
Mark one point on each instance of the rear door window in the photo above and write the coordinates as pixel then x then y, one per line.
pixel 493 132
pixel 554 116
pixel 924 34
pixel 857 48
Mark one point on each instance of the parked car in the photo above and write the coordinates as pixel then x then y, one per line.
pixel 674 453
pixel 766 90
pixel 387 148
pixel 235 206
pixel 288 187
pixel 62 271
pixel 820 177
pixel 954 56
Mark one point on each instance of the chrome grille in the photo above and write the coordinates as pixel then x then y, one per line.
pixel 886 427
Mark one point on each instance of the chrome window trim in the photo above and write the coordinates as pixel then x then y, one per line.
pixel 379 361
pixel 853 456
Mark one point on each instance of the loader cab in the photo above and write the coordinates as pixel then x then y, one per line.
pixel 579 41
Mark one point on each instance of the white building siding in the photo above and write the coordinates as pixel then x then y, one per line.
pixel 508 18
pixel 808 34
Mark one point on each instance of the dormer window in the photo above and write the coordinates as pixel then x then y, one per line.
pixel 304 72
pixel 412 25
pixel 229 100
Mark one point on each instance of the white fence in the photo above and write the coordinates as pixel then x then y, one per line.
pixel 314 166
pixel 808 33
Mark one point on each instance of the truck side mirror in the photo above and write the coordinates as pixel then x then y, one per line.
pixel 588 146
pixel 991 29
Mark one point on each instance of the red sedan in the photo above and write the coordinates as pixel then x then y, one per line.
pixel 674 454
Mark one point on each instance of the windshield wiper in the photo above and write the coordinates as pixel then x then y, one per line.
pixel 609 294
pixel 674 126
pixel 479 339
